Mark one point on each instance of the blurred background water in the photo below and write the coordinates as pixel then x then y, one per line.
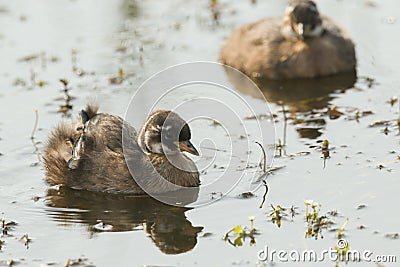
pixel 90 42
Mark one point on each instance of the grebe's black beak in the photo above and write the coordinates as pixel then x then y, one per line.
pixel 187 146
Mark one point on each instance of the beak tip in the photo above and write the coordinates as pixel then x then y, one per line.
pixel 188 147
pixel 194 151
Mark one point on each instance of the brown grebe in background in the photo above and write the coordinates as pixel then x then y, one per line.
pixel 302 44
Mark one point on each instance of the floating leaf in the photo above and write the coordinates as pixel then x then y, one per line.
pixel 240 233
pixel 238 230
pixel 238 241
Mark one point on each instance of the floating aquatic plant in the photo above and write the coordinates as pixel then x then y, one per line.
pixel 118 79
pixel 277 214
pixel 280 213
pixel 340 231
pixel 237 235
pixel 342 246
pixel 25 238
pixel 315 222
pixel 325 151
pixel 67 106
pixel 7 226
pixel 293 211
pixel 393 100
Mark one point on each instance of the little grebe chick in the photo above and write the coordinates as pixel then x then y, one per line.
pixel 104 153
pixel 302 44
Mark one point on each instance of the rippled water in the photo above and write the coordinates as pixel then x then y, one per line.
pixel 144 37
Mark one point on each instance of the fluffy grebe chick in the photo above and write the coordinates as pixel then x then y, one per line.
pixel 94 154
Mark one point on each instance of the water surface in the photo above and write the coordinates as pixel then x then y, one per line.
pixel 144 37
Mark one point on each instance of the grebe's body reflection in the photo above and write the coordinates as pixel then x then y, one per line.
pixel 303 95
pixel 166 225
pixel 299 95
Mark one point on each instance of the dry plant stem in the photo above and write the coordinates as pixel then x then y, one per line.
pixel 35 125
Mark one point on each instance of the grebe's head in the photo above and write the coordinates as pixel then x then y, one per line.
pixel 303 20
pixel 165 132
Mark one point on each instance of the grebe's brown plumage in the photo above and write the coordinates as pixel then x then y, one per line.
pixel 93 154
pixel 302 44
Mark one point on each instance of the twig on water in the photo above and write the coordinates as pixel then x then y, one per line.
pixel 264 168
pixel 265 194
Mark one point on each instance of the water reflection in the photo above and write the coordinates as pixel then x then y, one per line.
pixel 306 99
pixel 309 132
pixel 300 95
pixel 167 226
